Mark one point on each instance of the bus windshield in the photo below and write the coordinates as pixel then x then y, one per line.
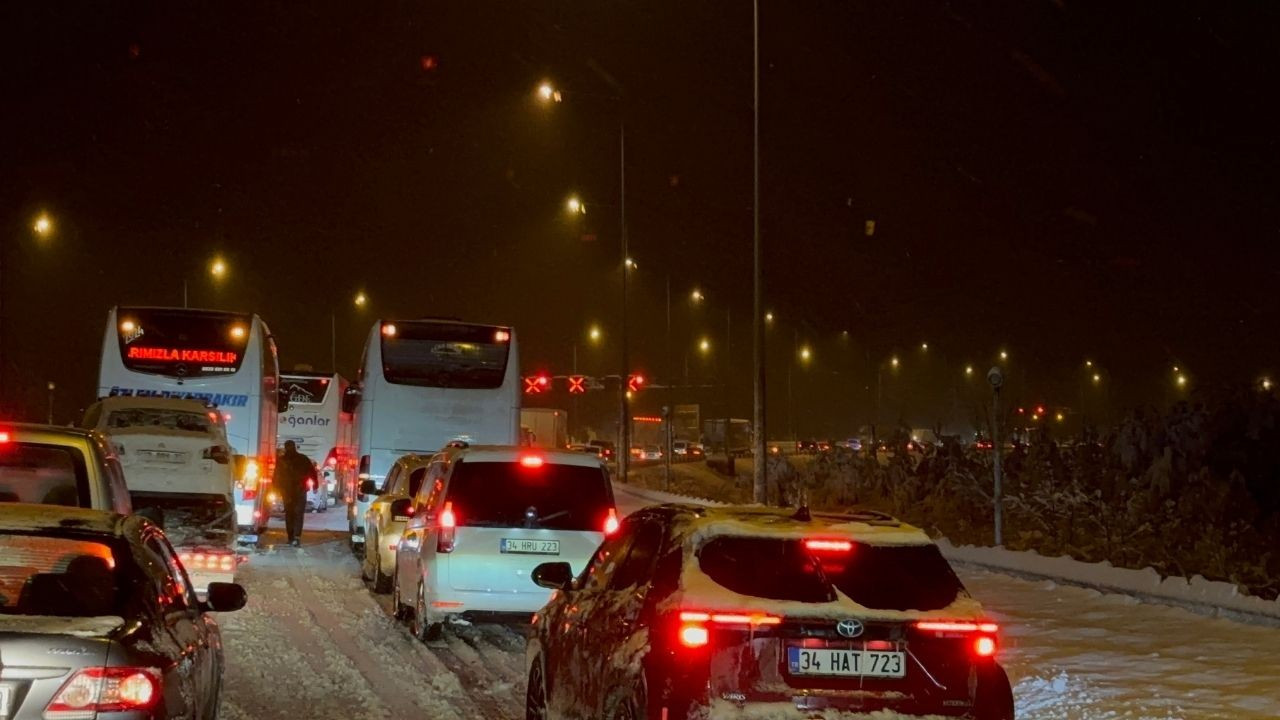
pixel 182 343
pixel 444 355
pixel 305 389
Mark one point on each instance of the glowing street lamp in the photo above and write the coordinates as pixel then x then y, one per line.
pixel 43 225
pixel 704 346
pixel 768 317
pixel 1097 378
pixel 632 264
pixel 361 299
pixel 594 333
pixel 806 354
pixel 1004 354
pixel 924 347
pixel 893 361
pixel 576 206
pixel 547 93
pixel 1181 380
pixel 697 296
pixel 1088 363
pixel 218 268
pixel 968 370
pixel 1266 384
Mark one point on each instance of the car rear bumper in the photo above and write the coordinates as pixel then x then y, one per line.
pixel 467 602
pixel 806 707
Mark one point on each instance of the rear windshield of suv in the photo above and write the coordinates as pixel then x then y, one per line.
pixel 59 576
pixel 880 577
pixel 43 474
pixel 508 494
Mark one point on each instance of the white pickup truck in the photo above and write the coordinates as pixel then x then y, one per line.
pixel 178 468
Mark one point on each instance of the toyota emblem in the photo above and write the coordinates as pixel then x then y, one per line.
pixel 849 628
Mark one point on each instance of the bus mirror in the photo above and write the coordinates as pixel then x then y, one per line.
pixel 351 399
pixel 282 400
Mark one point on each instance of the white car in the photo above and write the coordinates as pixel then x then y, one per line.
pixel 483 519
pixel 385 520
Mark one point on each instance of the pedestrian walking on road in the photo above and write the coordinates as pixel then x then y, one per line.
pixel 292 473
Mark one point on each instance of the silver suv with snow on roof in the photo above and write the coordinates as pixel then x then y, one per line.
pixel 695 612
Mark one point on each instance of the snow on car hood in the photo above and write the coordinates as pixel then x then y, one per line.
pixel 28 517
pixel 54 625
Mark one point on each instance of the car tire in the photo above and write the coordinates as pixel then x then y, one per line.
pixel 535 695
pixel 422 625
pixel 399 610
pixel 993 699
pixel 364 564
pixel 381 580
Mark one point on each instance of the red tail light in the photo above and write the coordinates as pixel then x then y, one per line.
pixel 105 690
pixel 532 461
pixel 983 633
pixel 210 560
pixel 611 522
pixel 448 529
pixel 5 437
pixel 694 632
pixel 311 485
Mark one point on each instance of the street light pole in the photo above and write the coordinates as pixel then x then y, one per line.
pixel 624 454
pixel 759 480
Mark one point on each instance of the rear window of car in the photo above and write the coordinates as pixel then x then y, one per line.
pixel 896 577
pixel 161 419
pixel 43 474
pixel 880 577
pixel 773 568
pixel 59 576
pixel 509 494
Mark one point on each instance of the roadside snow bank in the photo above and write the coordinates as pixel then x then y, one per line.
pixel 1205 597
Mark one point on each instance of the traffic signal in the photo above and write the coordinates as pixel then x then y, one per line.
pixel 634 383
pixel 536 384
pixel 577 384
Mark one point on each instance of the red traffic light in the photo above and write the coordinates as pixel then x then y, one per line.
pixel 577 384
pixel 635 382
pixel 535 384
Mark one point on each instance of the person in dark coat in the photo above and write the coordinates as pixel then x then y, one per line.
pixel 292 472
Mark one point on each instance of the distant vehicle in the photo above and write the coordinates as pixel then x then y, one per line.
pixel 544 427
pixel 806 447
pixel 52 465
pixel 854 444
pixel 316 424
pixel 730 436
pixel 225 359
pixel 607 449
pixel 983 444
pixel 98 619
pixel 483 518
pixel 177 466
pixel 388 513
pixel 424 384
pixel 824 446
pixel 697 612
pixel 651 452
pixel 595 450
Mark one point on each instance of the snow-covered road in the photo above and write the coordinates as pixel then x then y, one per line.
pixel 313 642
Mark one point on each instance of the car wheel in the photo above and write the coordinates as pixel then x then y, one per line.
pixel 993 699
pixel 381 580
pixel 422 624
pixel 535 696
pixel 399 610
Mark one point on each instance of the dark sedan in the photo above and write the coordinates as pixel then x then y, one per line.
pixel 98 619
pixel 736 613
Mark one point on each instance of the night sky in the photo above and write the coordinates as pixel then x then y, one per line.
pixel 1066 180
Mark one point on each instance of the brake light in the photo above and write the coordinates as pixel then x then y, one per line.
pixel 223 561
pixel 533 461
pixel 501 336
pixel 105 689
pixel 694 636
pixel 448 529
pixel 984 646
pixel 311 485
pixel 829 545
pixel 611 522
pixel 4 436
pixel 956 627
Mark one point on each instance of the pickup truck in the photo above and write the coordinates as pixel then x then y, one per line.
pixel 177 467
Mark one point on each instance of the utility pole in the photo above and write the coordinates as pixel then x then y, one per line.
pixel 668 409
pixel 624 430
pixel 333 341
pixel 996 377
pixel 760 477
pixel 52 387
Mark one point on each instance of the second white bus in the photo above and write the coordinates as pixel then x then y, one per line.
pixel 425 383
pixel 322 432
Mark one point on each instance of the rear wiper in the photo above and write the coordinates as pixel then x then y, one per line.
pixel 552 516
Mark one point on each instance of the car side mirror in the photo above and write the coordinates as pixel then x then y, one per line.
pixel 282 400
pixel 553 576
pixel 351 399
pixel 225 597
pixel 368 487
pixel 401 509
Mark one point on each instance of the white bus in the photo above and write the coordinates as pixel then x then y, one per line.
pixel 424 384
pixel 322 432
pixel 226 359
